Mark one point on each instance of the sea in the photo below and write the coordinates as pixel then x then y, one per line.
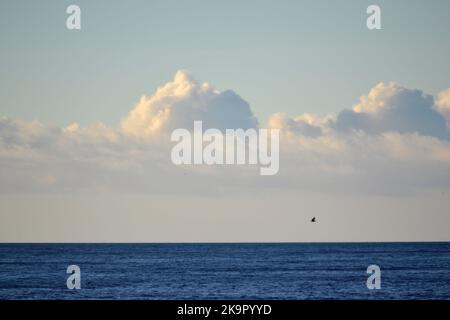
pixel 290 271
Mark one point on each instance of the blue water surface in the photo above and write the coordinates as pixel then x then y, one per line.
pixel 225 271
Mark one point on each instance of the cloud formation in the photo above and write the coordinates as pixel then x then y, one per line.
pixel 394 140
pixel 392 108
pixel 183 100
pixel 443 105
pixel 306 125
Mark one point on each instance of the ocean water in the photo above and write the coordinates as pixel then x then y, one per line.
pixel 225 271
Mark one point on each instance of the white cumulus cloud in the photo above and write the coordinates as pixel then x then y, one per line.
pixel 393 140
pixel 392 108
pixel 443 105
pixel 183 100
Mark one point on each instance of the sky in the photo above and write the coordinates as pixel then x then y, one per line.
pixel 279 55
pixel 85 117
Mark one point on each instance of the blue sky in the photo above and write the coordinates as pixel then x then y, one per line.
pixel 290 56
pixel 377 169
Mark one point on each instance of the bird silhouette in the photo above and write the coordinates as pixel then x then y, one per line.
pixel 313 219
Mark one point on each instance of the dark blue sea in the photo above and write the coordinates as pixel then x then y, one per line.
pixel 225 271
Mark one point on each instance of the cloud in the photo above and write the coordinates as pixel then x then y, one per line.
pixel 306 125
pixel 18 132
pixel 443 105
pixel 392 141
pixel 392 108
pixel 181 101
